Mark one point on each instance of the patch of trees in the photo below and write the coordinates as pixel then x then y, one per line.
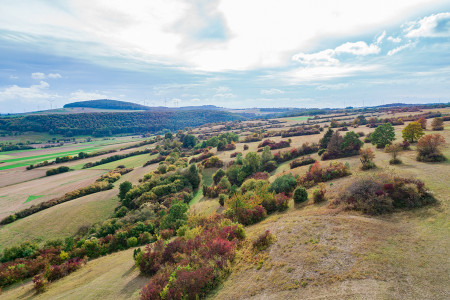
pixel 14 147
pixel 338 146
pixel 58 170
pixel 305 149
pixel 107 123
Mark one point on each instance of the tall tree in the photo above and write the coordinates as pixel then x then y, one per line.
pixel 412 132
pixel 383 135
pixel 326 138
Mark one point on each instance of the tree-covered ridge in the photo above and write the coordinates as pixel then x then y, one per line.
pixel 107 123
pixel 108 104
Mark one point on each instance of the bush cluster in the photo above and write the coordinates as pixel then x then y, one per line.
pixel 307 160
pixel 382 193
pixel 305 149
pixel 193 264
pixel 317 173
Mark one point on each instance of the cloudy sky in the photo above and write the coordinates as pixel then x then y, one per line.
pixel 230 53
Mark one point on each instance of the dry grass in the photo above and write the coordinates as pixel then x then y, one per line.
pixel 50 187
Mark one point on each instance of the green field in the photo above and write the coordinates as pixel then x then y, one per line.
pixel 15 162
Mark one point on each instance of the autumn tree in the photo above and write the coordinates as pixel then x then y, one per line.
pixel 412 132
pixel 394 149
pixel 423 122
pixel 383 135
pixel 366 158
pixel 437 124
pixel 429 148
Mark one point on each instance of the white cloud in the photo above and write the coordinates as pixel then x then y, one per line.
pixel 437 25
pixel 222 89
pixel 398 49
pixel 36 91
pixel 54 75
pixel 262 38
pixel 223 96
pixel 82 95
pixel 358 48
pixel 324 73
pixel 337 86
pixel 271 92
pixel 13 77
pixel 38 75
pixel 322 58
pixel 327 57
pixel 395 39
pixel 381 37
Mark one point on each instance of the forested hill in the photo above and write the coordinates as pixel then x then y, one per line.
pixel 107 104
pixel 124 105
pixel 106 123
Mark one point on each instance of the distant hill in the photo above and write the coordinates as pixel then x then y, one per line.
pixel 108 104
pixel 125 105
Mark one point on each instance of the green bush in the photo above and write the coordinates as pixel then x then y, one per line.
pixel 132 242
pixel 300 195
pixel 284 184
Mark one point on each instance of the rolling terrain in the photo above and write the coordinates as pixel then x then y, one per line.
pixel 320 251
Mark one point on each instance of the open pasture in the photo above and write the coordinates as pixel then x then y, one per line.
pixel 15 196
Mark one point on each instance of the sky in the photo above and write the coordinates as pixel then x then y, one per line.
pixel 229 53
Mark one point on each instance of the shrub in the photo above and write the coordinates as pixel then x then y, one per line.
pixel 366 158
pixel 394 149
pixel 132 242
pixel 222 199
pixel 429 148
pixel 319 194
pixel 437 124
pixel 283 184
pixel 166 234
pixel 270 166
pixel 245 147
pixel 306 160
pixel 321 151
pixel 58 170
pixel 318 174
pixel 218 175
pixel 25 249
pixel 212 162
pixel 40 283
pixel 300 195
pixel 282 201
pixel 263 241
pixel 382 193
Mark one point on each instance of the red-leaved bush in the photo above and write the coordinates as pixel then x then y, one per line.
pixel 317 173
pixel 192 266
